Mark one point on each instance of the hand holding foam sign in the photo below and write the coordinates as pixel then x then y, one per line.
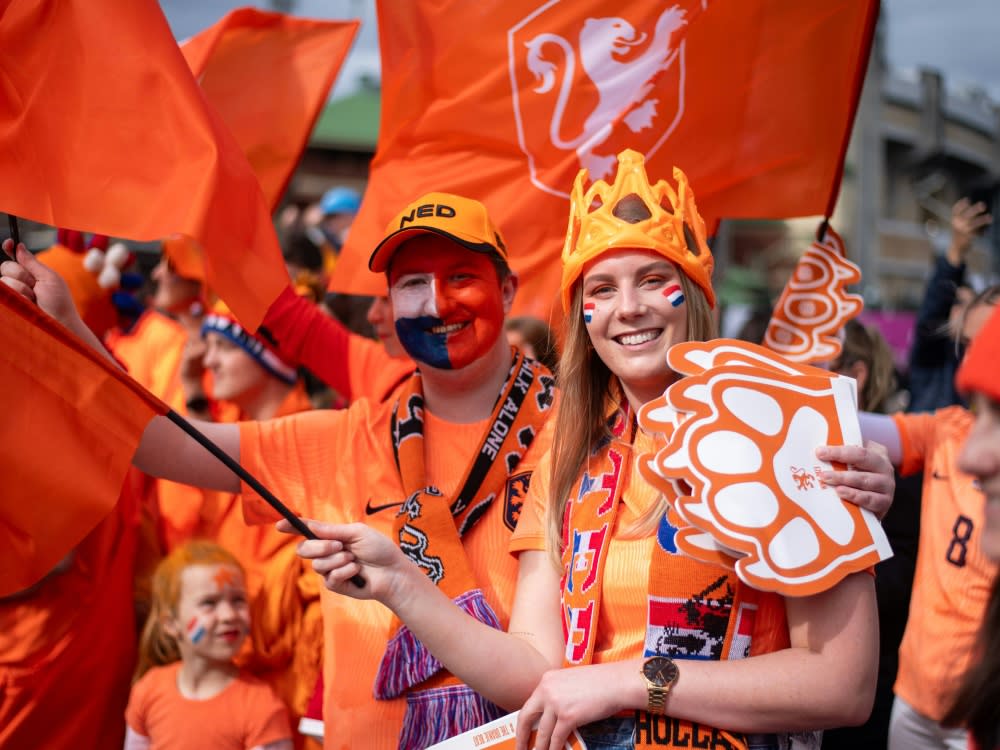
pixel 814 305
pixel 499 735
pixel 741 469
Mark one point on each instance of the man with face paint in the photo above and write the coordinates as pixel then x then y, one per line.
pixel 441 465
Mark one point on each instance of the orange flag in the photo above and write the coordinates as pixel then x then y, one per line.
pixel 506 101
pixel 268 75
pixel 111 134
pixel 71 422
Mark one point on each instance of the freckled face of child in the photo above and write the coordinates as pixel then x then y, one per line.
pixel 213 614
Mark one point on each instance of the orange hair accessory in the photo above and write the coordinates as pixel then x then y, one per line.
pixel 675 229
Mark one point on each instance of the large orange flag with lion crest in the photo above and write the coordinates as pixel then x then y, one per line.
pixel 506 101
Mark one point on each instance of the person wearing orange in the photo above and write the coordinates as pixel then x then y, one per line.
pixel 154 352
pixel 636 280
pixel 459 439
pixel 975 704
pixel 188 692
pixel 67 644
pixel 953 576
pixel 352 365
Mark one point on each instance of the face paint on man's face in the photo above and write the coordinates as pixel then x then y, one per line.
pixel 448 306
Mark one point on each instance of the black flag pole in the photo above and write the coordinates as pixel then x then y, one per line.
pixel 15 233
pixel 251 480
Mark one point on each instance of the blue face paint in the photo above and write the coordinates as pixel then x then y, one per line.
pixel 418 341
pixel 665 534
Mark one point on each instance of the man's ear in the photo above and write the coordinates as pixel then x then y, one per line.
pixel 509 290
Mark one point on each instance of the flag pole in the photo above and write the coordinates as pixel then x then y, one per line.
pixel 251 480
pixel 15 234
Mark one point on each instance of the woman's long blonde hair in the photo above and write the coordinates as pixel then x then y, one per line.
pixel 156 646
pixel 590 392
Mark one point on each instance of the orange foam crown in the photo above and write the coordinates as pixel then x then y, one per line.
pixel 594 229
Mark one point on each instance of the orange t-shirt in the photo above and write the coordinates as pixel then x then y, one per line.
pixel 245 714
pixel 951 584
pixel 221 517
pixel 338 466
pixel 372 373
pixel 622 617
pixel 67 648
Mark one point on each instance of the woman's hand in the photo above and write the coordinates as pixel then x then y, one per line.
pixel 346 550
pixel 568 698
pixel 868 481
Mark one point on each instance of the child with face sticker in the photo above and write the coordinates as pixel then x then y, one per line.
pixel 188 692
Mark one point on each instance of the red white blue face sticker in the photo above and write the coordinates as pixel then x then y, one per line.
pixel 195 630
pixel 448 305
pixel 588 312
pixel 674 294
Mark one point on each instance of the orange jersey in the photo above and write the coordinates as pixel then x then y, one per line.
pixel 372 373
pixel 244 715
pixel 952 580
pixel 221 517
pixel 622 617
pixel 67 647
pixel 338 466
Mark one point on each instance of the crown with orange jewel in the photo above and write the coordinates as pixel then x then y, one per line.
pixel 674 229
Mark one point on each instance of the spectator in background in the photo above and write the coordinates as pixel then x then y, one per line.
pixel 977 705
pixel 867 358
pixel 534 338
pixel 933 359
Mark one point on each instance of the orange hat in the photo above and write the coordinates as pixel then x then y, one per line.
pixel 677 233
pixel 976 372
pixel 185 257
pixel 221 320
pixel 461 220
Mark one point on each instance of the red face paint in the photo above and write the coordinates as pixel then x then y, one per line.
pixel 447 302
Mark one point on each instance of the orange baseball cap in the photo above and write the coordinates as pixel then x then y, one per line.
pixel 185 256
pixel 461 220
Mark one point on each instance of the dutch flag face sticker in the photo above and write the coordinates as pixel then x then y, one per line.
pixel 674 295
pixel 588 311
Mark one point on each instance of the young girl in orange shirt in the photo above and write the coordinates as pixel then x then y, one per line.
pixel 188 692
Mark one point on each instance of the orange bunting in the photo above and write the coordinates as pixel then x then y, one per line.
pixel 740 469
pixel 71 422
pixel 815 306
pixel 117 138
pixel 753 100
pixel 268 76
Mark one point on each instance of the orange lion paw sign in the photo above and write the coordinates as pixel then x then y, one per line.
pixel 741 469
pixel 814 305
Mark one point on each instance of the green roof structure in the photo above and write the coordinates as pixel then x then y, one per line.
pixel 349 123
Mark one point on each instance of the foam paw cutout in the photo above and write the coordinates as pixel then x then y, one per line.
pixel 815 305
pixel 741 473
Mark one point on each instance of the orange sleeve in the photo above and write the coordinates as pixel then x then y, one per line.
pixel 294 457
pixel 530 531
pixel 916 434
pixel 135 712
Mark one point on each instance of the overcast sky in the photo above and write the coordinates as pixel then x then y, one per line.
pixel 958 37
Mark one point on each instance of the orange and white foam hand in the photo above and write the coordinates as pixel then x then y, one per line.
pixel 815 305
pixel 741 469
